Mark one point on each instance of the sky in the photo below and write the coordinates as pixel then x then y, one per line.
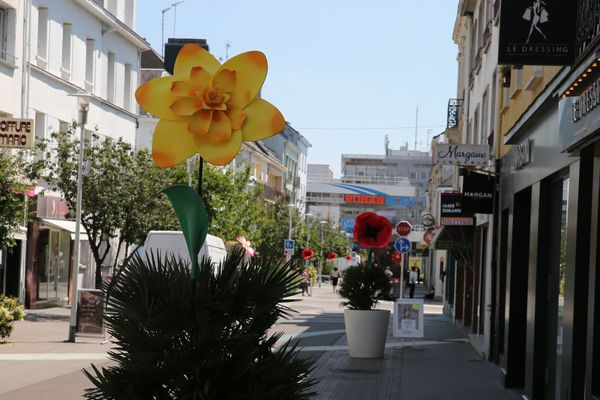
pixel 344 73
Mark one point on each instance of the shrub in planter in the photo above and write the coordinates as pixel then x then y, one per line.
pixel 207 338
pixel 11 310
pixel 363 287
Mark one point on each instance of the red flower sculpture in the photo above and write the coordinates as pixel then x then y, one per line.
pixel 396 257
pixel 331 256
pixel 372 230
pixel 348 258
pixel 307 254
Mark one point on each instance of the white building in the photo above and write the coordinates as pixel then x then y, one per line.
pixel 50 49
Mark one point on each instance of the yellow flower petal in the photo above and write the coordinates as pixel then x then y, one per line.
pixel 186 105
pixel 219 152
pixel 236 117
pixel 263 120
pixel 251 71
pixel 185 89
pixel 155 97
pixel 172 143
pixel 225 80
pixel 200 77
pixel 199 122
pixel 191 56
pixel 220 127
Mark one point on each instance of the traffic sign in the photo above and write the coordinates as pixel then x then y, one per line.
pixel 403 228
pixel 427 219
pixel 288 244
pixel 402 245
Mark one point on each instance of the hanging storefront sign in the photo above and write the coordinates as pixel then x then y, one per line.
pixel 478 193
pixel 578 115
pixel 16 133
pixel 461 154
pixel 522 153
pixel 379 200
pixel 452 211
pixel 537 32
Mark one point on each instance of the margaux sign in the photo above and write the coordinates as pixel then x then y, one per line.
pixel 461 154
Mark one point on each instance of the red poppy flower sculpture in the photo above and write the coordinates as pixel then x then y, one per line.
pixel 396 257
pixel 307 254
pixel 348 258
pixel 331 256
pixel 372 230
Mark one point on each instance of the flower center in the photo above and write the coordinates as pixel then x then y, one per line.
pixel 372 231
pixel 214 99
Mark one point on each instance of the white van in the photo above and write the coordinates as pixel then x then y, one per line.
pixel 166 243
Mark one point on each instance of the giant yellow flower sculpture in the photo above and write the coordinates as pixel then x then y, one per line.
pixel 208 108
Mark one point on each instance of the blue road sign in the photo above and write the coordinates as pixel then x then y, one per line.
pixel 288 244
pixel 402 245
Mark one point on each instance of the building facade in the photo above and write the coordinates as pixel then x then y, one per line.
pixel 50 50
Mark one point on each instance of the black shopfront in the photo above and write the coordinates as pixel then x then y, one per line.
pixel 547 337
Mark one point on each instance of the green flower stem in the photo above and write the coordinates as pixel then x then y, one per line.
pixel 370 257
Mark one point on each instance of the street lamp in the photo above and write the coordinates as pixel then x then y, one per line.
pixel 322 250
pixel 83 106
pixel 288 255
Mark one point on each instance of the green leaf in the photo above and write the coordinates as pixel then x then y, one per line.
pixel 192 217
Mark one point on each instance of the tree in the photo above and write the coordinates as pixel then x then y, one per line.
pixel 121 189
pixel 12 189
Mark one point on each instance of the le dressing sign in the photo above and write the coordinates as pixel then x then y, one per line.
pixel 537 32
pixel 461 154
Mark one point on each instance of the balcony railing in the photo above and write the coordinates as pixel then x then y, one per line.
pixel 588 28
pixel 454 106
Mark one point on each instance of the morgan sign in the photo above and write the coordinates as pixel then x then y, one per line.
pixel 461 154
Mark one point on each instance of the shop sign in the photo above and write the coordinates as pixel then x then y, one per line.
pixel 461 154
pixel 537 32
pixel 379 200
pixel 452 211
pixel 478 193
pixel 16 133
pixel 522 154
pixel 455 246
pixel 90 312
pixel 578 118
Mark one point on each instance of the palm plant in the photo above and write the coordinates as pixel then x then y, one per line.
pixel 200 339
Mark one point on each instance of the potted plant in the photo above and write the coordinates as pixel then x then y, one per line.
pixel 363 287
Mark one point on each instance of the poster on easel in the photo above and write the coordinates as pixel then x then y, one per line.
pixel 408 318
pixel 90 312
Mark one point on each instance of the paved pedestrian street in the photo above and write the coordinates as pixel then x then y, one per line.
pixel 38 364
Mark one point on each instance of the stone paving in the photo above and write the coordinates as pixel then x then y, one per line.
pixel 38 364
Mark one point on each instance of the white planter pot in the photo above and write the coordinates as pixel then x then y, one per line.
pixel 366 331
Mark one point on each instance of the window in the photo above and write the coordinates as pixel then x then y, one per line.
pixel 3 33
pixel 89 65
pixel 66 51
pixel 413 175
pixel 493 106
pixel 42 38
pixel 110 78
pixel 475 138
pixel 423 175
pixel 127 84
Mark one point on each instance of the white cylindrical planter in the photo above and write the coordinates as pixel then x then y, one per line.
pixel 366 331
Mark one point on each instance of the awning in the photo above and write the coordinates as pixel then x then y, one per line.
pixel 64 225
pixel 20 233
pixel 458 239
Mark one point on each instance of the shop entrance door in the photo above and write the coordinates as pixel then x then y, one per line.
pixel 54 281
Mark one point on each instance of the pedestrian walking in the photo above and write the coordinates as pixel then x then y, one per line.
pixel 412 282
pixel 304 278
pixel 335 276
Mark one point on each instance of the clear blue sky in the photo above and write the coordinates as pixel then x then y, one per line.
pixel 334 64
